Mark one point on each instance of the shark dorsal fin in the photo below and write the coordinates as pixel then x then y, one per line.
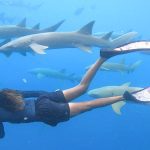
pixel 87 29
pixel 54 27
pixel 126 84
pixel 107 35
pixel 36 27
pixel 22 23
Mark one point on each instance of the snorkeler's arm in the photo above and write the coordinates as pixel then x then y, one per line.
pixel 28 94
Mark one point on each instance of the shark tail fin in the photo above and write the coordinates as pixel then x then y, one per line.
pixel 133 66
pixel 54 27
pixel 123 39
pixel 118 106
pixel 87 29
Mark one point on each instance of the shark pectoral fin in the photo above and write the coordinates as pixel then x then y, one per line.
pixel 36 27
pixel 38 48
pixel 118 106
pixel 87 29
pixel 40 75
pixel 22 23
pixel 84 48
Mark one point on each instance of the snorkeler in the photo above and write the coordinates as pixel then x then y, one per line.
pixel 55 107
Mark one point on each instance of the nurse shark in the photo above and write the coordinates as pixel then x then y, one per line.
pixel 119 67
pixel 82 39
pixel 51 73
pixel 14 31
pixel 108 91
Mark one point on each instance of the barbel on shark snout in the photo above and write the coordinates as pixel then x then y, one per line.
pixel 82 39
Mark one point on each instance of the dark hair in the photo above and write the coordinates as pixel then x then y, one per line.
pixel 11 100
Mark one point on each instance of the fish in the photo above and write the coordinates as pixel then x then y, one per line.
pixel 109 91
pixel 119 67
pixel 82 39
pixel 51 73
pixel 19 30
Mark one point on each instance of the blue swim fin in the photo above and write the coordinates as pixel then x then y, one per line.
pixel 2 132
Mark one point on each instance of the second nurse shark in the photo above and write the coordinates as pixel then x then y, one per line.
pixel 108 91
pixel 14 31
pixel 82 39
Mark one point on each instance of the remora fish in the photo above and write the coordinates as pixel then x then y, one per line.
pixel 61 74
pixel 14 31
pixel 108 91
pixel 119 67
pixel 54 40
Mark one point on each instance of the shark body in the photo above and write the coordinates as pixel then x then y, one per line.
pixel 120 67
pixel 51 73
pixel 15 31
pixel 82 39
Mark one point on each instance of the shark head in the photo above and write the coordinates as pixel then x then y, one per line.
pixel 101 92
pixel 13 46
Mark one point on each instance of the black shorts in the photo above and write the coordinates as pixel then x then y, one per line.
pixel 52 108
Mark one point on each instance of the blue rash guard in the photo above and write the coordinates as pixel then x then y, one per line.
pixel 40 106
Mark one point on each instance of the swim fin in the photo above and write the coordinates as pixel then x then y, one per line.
pixel 127 48
pixel 141 96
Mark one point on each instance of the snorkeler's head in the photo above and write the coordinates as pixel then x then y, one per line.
pixel 11 100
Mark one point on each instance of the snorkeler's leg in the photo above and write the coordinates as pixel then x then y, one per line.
pixel 81 107
pixel 81 88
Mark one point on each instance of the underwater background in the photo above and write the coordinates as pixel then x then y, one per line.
pixel 100 128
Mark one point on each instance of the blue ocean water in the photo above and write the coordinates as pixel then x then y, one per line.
pixel 97 129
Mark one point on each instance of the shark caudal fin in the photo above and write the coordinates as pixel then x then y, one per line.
pixel 54 27
pixel 118 106
pixel 123 39
pixel 135 65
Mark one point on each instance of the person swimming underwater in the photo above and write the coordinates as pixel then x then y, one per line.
pixel 18 106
